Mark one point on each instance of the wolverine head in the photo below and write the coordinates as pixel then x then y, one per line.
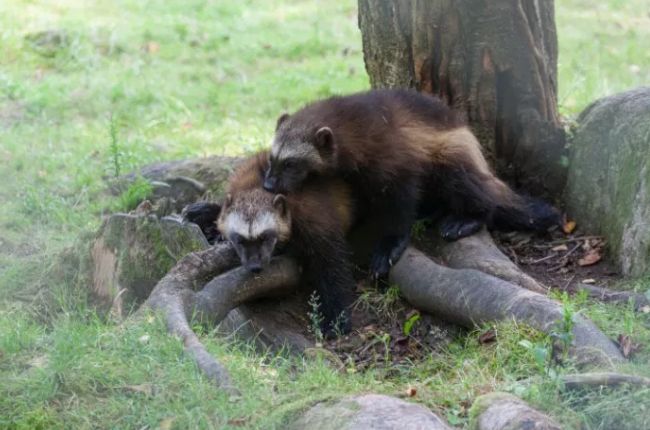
pixel 254 222
pixel 298 151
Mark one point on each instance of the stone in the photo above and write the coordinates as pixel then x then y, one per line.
pixel 608 189
pixel 369 411
pixel 503 411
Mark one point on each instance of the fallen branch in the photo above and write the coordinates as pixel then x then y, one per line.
pixel 176 298
pixel 481 253
pixel 611 296
pixel 470 297
pixel 602 379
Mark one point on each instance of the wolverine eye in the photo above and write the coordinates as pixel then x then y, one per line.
pixel 290 164
pixel 267 235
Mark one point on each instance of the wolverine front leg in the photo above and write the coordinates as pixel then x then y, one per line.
pixel 397 215
pixel 329 270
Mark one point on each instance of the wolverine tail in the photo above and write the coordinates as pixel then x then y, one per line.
pixel 463 183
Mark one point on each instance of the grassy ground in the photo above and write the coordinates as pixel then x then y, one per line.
pixel 185 78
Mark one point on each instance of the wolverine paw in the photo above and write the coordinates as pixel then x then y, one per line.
pixel 452 228
pixel 388 252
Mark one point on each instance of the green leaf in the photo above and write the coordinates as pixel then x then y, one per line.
pixel 410 322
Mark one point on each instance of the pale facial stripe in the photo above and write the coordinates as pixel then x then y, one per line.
pixel 235 223
pixel 261 223
pixel 300 151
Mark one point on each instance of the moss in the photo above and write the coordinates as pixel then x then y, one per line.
pixel 482 403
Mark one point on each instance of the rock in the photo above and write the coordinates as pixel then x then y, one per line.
pixel 369 411
pixel 608 190
pixel 209 172
pixel 175 184
pixel 502 411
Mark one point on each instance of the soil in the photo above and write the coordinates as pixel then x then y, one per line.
pixel 560 260
pixel 389 332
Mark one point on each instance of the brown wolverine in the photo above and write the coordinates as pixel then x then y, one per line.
pixel 310 225
pixel 397 148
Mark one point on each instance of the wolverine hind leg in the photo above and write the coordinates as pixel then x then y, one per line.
pixel 397 213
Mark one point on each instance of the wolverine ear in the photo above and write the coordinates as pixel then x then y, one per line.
pixel 324 139
pixel 280 204
pixel 283 118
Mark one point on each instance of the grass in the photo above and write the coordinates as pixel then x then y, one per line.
pixel 89 90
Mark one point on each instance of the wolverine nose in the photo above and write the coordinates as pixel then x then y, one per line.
pixel 254 267
pixel 270 182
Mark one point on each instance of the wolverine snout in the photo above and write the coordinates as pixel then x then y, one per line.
pixel 254 266
pixel 270 183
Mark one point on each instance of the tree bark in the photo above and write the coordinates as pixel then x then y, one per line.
pixel 494 60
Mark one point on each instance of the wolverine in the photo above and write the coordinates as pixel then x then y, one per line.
pixel 309 225
pixel 402 154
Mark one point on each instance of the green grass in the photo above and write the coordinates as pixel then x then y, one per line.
pixel 129 83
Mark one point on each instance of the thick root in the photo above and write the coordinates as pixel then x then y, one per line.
pixel 481 253
pixel 176 298
pixel 470 297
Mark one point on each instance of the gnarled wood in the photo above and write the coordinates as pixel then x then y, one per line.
pixel 175 297
pixel 470 297
pixel 481 253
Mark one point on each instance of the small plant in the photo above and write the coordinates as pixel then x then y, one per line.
pixel 114 148
pixel 338 332
pixel 563 333
pixel 384 305
pixel 315 317
pixel 559 339
pixel 138 191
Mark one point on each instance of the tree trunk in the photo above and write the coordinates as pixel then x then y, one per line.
pixel 495 60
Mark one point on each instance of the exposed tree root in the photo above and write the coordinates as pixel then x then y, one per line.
pixel 500 411
pixel 470 297
pixel 602 379
pixel 481 253
pixel 464 296
pixel 176 297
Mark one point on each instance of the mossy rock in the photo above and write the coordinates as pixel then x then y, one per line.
pixel 608 190
pixel 131 253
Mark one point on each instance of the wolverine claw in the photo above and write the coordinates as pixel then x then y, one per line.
pixel 452 228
